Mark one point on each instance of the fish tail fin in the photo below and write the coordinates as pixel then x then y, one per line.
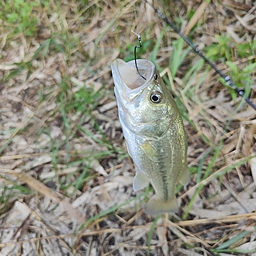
pixel 155 206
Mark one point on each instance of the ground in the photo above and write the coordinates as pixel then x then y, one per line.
pixel 66 178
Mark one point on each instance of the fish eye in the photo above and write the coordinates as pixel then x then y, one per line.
pixel 155 76
pixel 156 97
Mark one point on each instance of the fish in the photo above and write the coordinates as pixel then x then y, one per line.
pixel 154 132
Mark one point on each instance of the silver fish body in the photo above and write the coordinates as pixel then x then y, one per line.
pixel 154 132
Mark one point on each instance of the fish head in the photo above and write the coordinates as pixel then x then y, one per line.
pixel 145 105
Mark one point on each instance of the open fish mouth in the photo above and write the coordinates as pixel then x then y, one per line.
pixel 126 76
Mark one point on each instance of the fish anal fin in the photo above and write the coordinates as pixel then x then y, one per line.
pixel 184 177
pixel 156 206
pixel 140 181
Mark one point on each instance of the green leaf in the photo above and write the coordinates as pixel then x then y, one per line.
pixel 12 17
pixel 153 55
pixel 250 68
pixel 212 51
pixel 232 66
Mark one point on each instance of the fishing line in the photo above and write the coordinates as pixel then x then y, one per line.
pixel 227 79
pixel 135 59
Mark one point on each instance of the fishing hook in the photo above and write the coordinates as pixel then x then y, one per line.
pixel 135 59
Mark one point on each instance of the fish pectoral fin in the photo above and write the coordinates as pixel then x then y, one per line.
pixel 140 181
pixel 156 206
pixel 150 151
pixel 184 177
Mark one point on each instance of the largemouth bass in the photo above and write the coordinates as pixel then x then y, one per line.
pixel 154 132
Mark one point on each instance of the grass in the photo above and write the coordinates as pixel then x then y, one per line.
pixel 64 168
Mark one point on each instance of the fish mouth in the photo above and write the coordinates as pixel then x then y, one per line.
pixel 127 78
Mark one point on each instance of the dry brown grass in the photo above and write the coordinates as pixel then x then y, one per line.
pixel 66 180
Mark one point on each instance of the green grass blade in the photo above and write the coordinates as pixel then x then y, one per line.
pixel 110 210
pixel 232 240
pixel 151 232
